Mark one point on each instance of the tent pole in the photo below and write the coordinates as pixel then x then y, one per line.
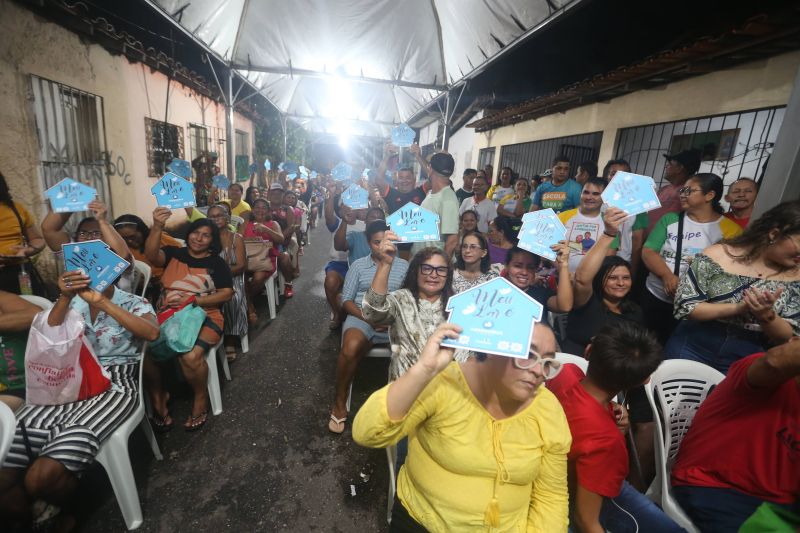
pixel 447 113
pixel 283 125
pixel 229 130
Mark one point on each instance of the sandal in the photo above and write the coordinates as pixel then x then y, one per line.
pixel 196 422
pixel 161 424
pixel 336 425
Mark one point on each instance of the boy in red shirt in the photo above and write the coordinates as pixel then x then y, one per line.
pixel 621 357
pixel 743 448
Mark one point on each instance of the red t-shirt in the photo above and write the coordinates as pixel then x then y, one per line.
pixel 598 455
pixel 743 222
pixel 745 438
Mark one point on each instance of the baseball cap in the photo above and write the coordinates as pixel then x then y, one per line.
pixel 690 159
pixel 275 186
pixel 443 164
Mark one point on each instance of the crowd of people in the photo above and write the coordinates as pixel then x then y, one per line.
pixel 485 442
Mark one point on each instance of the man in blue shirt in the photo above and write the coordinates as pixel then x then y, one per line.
pixel 351 240
pixel 357 335
pixel 561 193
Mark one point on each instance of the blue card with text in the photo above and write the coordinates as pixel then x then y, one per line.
pixel 403 136
pixel 289 167
pixel 540 230
pixel 303 171
pixel 253 168
pixel 495 317
pixel 267 165
pixel 355 197
pixel 633 193
pixel 70 196
pixel 96 260
pixel 221 181
pixel 173 191
pixel 413 223
pixel 181 167
pixel 313 174
pixel 341 171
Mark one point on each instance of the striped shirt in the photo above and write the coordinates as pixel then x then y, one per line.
pixel 359 278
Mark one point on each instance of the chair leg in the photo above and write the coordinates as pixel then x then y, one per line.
pixel 151 438
pixel 271 296
pixel 226 368
pixel 391 458
pixel 349 396
pixel 214 392
pixel 115 459
pixel 281 283
pixel 245 342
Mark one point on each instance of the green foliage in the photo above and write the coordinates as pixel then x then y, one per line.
pixel 269 140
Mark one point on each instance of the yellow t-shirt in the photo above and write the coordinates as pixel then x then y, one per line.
pixel 10 230
pixel 242 207
pixel 459 458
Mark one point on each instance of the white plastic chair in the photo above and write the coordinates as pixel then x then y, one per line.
pixel 214 391
pixel 381 350
pixel 271 290
pixel 237 220
pixel 8 426
pixel 675 391
pixel 44 303
pixel 143 273
pixel 114 457
pixel 576 360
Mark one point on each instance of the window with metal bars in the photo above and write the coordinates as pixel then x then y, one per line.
pixel 532 158
pixel 164 143
pixel 732 145
pixel 485 157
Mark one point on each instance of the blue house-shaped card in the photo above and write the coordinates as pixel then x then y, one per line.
pixel 413 223
pixel 355 197
pixel 540 230
pixel 496 317
pixel 70 196
pixel 181 167
pixel 633 193
pixel 173 191
pixel 289 167
pixel 96 260
pixel 403 136
pixel 342 171
pixel 221 181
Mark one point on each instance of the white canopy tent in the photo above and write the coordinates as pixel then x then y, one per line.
pixel 356 67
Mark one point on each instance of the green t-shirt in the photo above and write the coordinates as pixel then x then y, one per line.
pixel 12 362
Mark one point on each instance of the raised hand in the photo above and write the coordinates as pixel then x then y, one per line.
pixel 160 215
pixel 434 358
pixel 613 219
pixel 98 209
pixel 387 251
pixel 562 253
pixel 72 282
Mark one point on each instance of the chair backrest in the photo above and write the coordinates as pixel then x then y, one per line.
pixel 675 392
pixel 576 360
pixel 8 426
pixel 44 303
pixel 237 220
pixel 143 273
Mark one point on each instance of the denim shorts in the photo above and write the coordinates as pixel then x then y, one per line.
pixel 375 337
pixel 713 343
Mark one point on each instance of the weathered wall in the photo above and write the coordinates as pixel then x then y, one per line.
pixel 29 46
pixel 750 86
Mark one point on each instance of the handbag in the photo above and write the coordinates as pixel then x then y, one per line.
pixel 178 332
pixel 257 252
pixel 60 365
pixel 41 288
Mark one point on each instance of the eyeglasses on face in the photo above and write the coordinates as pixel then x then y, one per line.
pixel 427 270
pixel 686 191
pixel 90 234
pixel 550 367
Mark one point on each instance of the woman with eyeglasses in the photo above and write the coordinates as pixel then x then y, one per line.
pixel 487 443
pixel 233 252
pixel 134 232
pixel 699 225
pixel 414 311
pixel 262 226
pixel 472 263
pixel 196 273
pixel 522 267
pixel 742 295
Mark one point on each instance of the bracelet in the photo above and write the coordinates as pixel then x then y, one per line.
pixel 612 235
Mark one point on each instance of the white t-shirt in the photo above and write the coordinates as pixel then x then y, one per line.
pixel 486 210
pixel 499 193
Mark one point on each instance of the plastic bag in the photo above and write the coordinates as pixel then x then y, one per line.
pixel 60 365
pixel 178 333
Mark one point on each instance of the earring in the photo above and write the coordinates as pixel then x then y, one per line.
pixel 771 242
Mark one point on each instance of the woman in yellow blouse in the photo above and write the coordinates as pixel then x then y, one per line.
pixel 487 443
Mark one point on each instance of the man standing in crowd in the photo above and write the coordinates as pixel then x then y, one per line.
pixel 466 189
pixel 631 232
pixel 483 207
pixel 442 201
pixel 741 197
pixel 679 168
pixel 585 224
pixel 586 170
pixel 561 193
pixel 743 448
pixel 404 190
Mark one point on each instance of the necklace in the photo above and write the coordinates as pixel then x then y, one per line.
pixel 758 271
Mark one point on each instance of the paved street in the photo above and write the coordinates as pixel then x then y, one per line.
pixel 268 462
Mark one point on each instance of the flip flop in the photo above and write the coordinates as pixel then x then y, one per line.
pixel 194 425
pixel 336 425
pixel 160 424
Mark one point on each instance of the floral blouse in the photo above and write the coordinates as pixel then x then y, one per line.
pixel 112 343
pixel 410 323
pixel 460 283
pixel 706 281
